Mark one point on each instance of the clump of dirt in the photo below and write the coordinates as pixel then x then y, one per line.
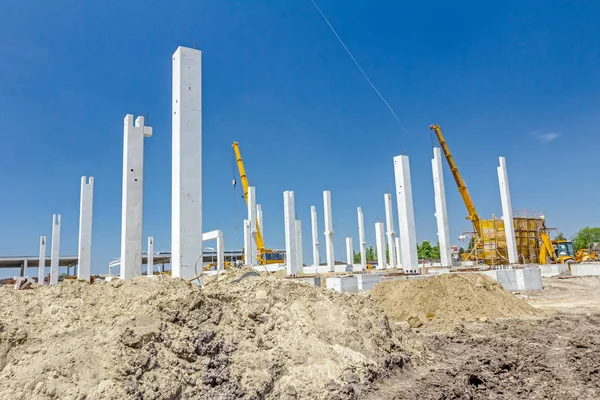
pixel 449 298
pixel 253 337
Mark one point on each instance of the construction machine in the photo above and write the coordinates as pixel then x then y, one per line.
pixel 264 255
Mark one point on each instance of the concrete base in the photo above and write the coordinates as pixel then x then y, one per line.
pixel 311 280
pixel 553 270
pixel 342 284
pixel 529 279
pixel 367 281
pixel 310 270
pixel 585 269
pixel 268 268
pixel 505 277
pixel 343 268
pixel 357 267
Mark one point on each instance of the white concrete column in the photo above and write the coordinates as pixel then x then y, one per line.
pixel 507 215
pixel 55 252
pixel 131 206
pixel 253 225
pixel 406 215
pixel 186 184
pixel 247 243
pixel 86 206
pixel 328 230
pixel 300 262
pixel 398 252
pixel 150 262
pixel 291 256
pixel 220 251
pixel 42 262
pixel 349 251
pixel 380 242
pixel 315 236
pixel 389 221
pixel 441 214
pixel 361 238
pixel 259 220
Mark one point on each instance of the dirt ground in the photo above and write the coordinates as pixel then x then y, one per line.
pixel 552 356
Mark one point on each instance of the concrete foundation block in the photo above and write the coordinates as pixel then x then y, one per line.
pixel 342 268
pixel 548 271
pixel 367 281
pixel 311 280
pixel 529 279
pixel 505 277
pixel 342 284
pixel 357 267
pixel 310 270
pixel 585 269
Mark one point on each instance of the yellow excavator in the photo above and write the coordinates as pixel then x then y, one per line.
pixel 264 255
pixel 562 251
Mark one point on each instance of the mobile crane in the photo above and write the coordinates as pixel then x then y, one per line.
pixel 264 255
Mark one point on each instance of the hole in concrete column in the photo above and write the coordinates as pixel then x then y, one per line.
pixel 131 169
pixel 136 180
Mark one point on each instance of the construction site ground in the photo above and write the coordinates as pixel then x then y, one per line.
pixel 255 337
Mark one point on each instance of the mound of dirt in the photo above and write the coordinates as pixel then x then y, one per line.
pixel 163 338
pixel 449 298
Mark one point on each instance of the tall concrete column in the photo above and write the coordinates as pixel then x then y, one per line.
pixel 361 238
pixel 398 252
pixel 133 189
pixel 406 215
pixel 389 221
pixel 291 243
pixel 186 184
pixel 247 243
pixel 150 262
pixel 315 236
pixel 441 214
pixel 42 262
pixel 220 251
pixel 259 220
pixel 300 262
pixel 55 252
pixel 253 224
pixel 380 242
pixel 507 215
pixel 349 251
pixel 328 230
pixel 86 206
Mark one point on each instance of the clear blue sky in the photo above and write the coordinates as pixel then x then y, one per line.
pixel 501 78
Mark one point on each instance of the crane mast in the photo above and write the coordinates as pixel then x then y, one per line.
pixel 240 164
pixel 462 188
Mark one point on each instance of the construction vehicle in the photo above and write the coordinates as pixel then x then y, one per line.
pixel 264 255
pixel 489 237
pixel 214 265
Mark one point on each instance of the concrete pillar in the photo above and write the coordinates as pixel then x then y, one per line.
pixel 150 262
pixel 398 252
pixel 24 267
pixel 186 183
pixel 55 252
pixel 220 251
pixel 247 243
pixel 441 214
pixel 253 225
pixel 300 263
pixel 349 251
pixel 328 230
pixel 380 242
pixel 361 238
pixel 507 215
pixel 406 215
pixel 259 220
pixel 86 205
pixel 131 206
pixel 389 221
pixel 291 243
pixel 42 262
pixel 315 236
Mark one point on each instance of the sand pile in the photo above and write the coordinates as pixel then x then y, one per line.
pixel 165 339
pixel 449 297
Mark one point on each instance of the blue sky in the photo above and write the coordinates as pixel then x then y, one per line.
pixel 519 79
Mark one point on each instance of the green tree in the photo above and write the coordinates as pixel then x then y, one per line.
pixel 560 236
pixel 424 250
pixel 435 252
pixel 461 251
pixel 356 257
pixel 586 237
pixel 471 244
pixel 371 256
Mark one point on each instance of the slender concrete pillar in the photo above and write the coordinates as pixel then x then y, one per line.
pixel 361 238
pixel 247 243
pixel 507 215
pixel 259 220
pixel 186 183
pixel 55 252
pixel 42 262
pixel 315 236
pixel 441 214
pixel 220 250
pixel 24 267
pixel 291 243
pixel 380 242
pixel 300 262
pixel 398 252
pixel 86 205
pixel 150 262
pixel 389 221
pixel 349 251
pixel 253 225
pixel 131 206
pixel 328 230
pixel 406 215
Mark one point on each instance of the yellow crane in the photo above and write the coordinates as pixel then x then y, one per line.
pixel 264 256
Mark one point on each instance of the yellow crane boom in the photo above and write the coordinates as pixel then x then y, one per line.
pixel 462 187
